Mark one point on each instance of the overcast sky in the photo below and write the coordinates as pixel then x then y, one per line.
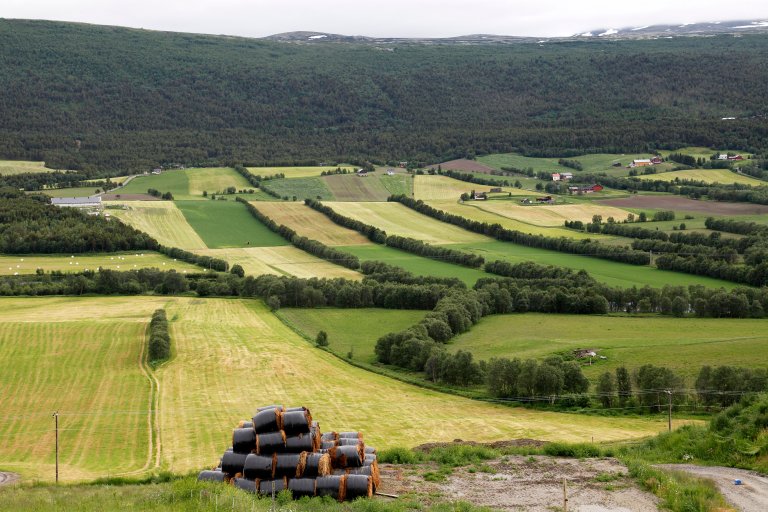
pixel 394 18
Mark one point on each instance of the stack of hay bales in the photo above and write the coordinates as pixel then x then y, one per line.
pixel 283 448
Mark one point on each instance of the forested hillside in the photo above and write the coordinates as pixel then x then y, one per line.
pixel 101 98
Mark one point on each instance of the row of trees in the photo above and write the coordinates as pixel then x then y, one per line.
pixel 159 346
pixel 718 268
pixel 561 244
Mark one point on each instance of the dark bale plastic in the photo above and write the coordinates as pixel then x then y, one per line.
pixel 211 476
pixel 287 465
pixel 329 436
pixel 273 442
pixel 267 486
pixel 370 458
pixel 316 465
pixel 259 467
pixel 265 407
pixel 370 450
pixel 243 440
pixel 329 486
pixel 246 485
pixel 347 456
pixel 246 424
pixel 267 420
pixel 232 463
pixel 350 435
pixel 327 445
pixel 296 422
pixel 300 443
pixel 358 486
pixel 301 487
pixel 348 441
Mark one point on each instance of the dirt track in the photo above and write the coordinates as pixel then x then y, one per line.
pixel 533 484
pixel 8 478
pixel 750 496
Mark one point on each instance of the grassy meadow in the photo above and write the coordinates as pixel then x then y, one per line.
pixel 72 192
pixel 28 264
pixel 175 181
pixel 297 172
pixel 310 223
pixel 302 188
pixel 10 167
pixel 284 260
pixel 228 223
pixel 434 187
pixel 229 357
pixel 684 344
pixel 162 220
pixel 723 176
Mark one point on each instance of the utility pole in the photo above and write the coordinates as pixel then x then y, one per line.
pixel 669 414
pixel 56 424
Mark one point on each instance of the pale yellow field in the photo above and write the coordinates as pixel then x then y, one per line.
pixel 474 210
pixel 396 219
pixel 551 215
pixel 310 223
pixel 81 356
pixel 723 176
pixel 11 265
pixel 116 179
pixel 214 180
pixel 435 187
pixel 9 167
pixel 296 172
pixel 281 260
pixel 160 219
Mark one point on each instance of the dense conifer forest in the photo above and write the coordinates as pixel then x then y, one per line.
pixel 104 99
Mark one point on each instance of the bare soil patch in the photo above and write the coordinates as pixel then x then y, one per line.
pixel 750 496
pixel 685 204
pixel 463 164
pixel 532 484
pixel 8 478
pixel 128 197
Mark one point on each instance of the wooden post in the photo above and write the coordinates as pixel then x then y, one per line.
pixel 56 426
pixel 565 496
pixel 669 414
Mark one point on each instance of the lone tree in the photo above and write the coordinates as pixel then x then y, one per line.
pixel 322 339
pixel 237 270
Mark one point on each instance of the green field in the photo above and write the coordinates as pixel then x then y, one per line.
pixel 215 180
pixel 723 176
pixel 302 188
pixel 609 272
pixel 353 330
pixel 71 192
pixel 227 224
pixel 81 356
pixel 297 172
pixel 28 264
pixel 684 344
pixel 174 181
pixel 9 167
pixel 417 265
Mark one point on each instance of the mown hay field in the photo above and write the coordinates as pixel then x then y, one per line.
pixel 300 188
pixel 214 180
pixel 684 344
pixel 228 223
pixel 160 219
pixel 426 188
pixel 28 264
pixel 397 219
pixel 723 176
pixel 609 272
pixel 351 187
pixel 415 264
pixel 286 260
pixel 551 215
pixel 81 357
pixel 310 223
pixel 474 210
pixel 10 167
pixel 175 181
pixel 297 172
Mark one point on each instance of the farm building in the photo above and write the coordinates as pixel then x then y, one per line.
pixel 495 189
pixel 656 160
pixel 557 176
pixel 390 172
pixel 585 190
pixel 545 199
pixel 480 196
pixel 362 173
pixel 77 202
pixel 643 162
pixel 735 157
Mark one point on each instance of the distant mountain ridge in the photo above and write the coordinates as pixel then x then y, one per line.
pixel 685 29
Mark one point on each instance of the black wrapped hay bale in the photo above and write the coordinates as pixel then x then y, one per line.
pixel 332 486
pixel 347 456
pixel 245 424
pixel 351 435
pixel 296 422
pixel 370 458
pixel 246 485
pixel 329 436
pixel 348 441
pixel 268 420
pixel 370 450
pixel 259 467
pixel 211 476
pixel 265 407
pixel 266 487
pixel 300 443
pixel 312 465
pixel 357 486
pixel 243 440
pixel 287 465
pixel 371 470
pixel 232 463
pixel 267 444
pixel 301 487
pixel 327 445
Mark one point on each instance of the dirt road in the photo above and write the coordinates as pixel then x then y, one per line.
pixel 750 496
pixel 8 478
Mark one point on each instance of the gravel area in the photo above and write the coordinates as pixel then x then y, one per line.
pixel 750 496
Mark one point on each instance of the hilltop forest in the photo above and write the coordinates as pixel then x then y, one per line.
pixel 101 99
